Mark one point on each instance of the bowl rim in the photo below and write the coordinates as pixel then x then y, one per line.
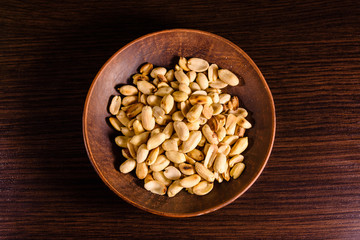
pixel 169 214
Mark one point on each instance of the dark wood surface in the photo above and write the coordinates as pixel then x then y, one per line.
pixel 309 53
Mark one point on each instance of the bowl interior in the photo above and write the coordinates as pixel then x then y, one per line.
pixel 163 49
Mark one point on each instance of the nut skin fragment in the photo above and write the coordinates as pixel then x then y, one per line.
pixel 233 104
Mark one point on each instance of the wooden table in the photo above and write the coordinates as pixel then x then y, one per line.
pixel 309 53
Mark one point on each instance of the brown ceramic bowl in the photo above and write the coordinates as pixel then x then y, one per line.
pixel 163 49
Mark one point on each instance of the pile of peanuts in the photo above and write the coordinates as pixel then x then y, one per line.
pixel 180 129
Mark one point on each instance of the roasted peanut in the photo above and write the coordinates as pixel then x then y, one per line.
pixel 180 128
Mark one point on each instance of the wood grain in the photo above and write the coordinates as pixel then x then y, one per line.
pixel 309 54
